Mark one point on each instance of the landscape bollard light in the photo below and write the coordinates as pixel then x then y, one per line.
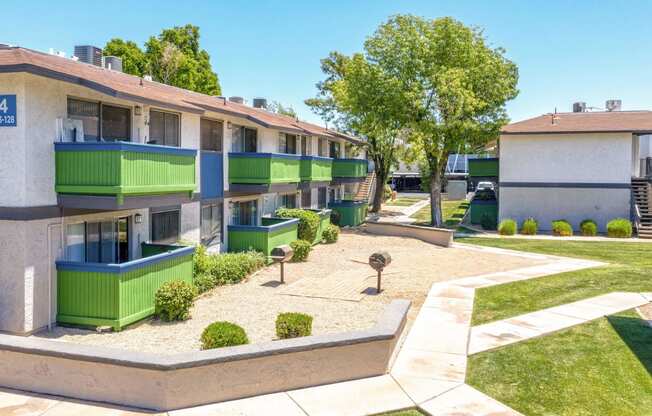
pixel 282 254
pixel 378 261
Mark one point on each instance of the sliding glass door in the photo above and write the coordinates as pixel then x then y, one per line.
pixel 98 241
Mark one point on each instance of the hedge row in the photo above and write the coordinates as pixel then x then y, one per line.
pixel 616 228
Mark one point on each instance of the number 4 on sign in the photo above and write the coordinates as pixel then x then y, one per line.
pixel 3 105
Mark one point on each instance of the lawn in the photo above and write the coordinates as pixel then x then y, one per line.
pixel 452 213
pixel 599 368
pixel 630 269
pixel 403 413
pixel 405 201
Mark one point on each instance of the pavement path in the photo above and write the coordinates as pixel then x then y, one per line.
pixel 428 371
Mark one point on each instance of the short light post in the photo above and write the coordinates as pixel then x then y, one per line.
pixel 282 254
pixel 378 261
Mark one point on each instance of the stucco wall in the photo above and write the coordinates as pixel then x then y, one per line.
pixel 13 146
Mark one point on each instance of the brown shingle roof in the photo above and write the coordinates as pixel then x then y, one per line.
pixel 592 122
pixel 121 85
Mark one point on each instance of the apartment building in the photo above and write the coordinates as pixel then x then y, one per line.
pixel 103 173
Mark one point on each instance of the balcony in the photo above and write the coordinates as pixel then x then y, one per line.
pixel 116 295
pixel 349 169
pixel 263 168
pixel 316 169
pixel 272 232
pixel 123 169
pixel 351 213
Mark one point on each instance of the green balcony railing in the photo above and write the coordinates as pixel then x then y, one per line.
pixel 351 213
pixel 264 168
pixel 123 169
pixel 272 232
pixel 316 169
pixel 483 167
pixel 349 168
pixel 98 294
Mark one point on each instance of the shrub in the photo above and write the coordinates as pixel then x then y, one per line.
pixel 387 192
pixel 301 250
pixel 507 227
pixel 562 228
pixel 203 282
pixel 589 228
pixel 221 269
pixel 335 217
pixel 293 325
pixel 223 334
pixel 488 222
pixel 529 226
pixel 619 228
pixel 308 221
pixel 201 261
pixel 331 233
pixel 173 300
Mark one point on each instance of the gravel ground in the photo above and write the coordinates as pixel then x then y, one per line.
pixel 254 304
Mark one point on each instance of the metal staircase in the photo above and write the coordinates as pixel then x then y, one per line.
pixel 641 207
pixel 366 187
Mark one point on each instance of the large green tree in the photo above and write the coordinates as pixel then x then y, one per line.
pixel 451 85
pixel 357 97
pixel 173 57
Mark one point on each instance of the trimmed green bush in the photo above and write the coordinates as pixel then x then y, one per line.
pixel 227 268
pixel 619 228
pixel 336 217
pixel 173 300
pixel 293 325
pixel 223 334
pixel 529 227
pixel 301 250
pixel 201 261
pixel 488 222
pixel 507 227
pixel 308 221
pixel 588 228
pixel 203 282
pixel 562 228
pixel 331 233
pixel 387 192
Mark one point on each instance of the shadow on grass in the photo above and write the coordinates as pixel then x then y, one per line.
pixel 637 334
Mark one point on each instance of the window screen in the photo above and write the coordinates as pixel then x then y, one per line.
pixel 116 123
pixel 211 135
pixel 89 114
pixel 306 198
pixel 165 227
pixel 322 197
pixel 243 139
pixel 163 128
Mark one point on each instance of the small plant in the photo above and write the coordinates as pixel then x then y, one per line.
pixel 308 221
pixel 336 217
pixel 203 283
pixel 331 233
pixel 507 227
pixel 223 334
pixel 529 227
pixel 173 300
pixel 301 250
pixel 589 228
pixel 562 228
pixel 221 269
pixel 387 192
pixel 619 228
pixel 293 325
pixel 488 222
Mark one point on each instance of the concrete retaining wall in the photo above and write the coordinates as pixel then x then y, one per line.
pixel 167 382
pixel 438 236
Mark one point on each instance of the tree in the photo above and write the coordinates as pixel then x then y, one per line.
pixel 451 86
pixel 357 96
pixel 173 57
pixel 278 108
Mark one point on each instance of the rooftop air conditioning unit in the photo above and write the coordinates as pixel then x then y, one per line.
pixel 613 105
pixel 579 107
pixel 236 99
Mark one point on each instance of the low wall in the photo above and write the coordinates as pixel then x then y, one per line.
pixel 438 236
pixel 168 382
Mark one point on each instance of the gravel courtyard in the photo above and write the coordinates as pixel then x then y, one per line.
pixel 335 286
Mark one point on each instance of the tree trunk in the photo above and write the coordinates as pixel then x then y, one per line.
pixel 435 197
pixel 379 191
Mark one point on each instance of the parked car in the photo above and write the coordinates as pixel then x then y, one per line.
pixel 484 185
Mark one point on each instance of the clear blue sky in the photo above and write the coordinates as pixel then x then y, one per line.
pixel 566 50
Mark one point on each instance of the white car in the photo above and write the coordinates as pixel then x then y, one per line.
pixel 484 185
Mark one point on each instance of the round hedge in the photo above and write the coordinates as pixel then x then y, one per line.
pixel 223 334
pixel 619 228
pixel 301 250
pixel 293 325
pixel 562 228
pixel 308 221
pixel 331 233
pixel 173 300
pixel 589 228
pixel 507 227
pixel 529 227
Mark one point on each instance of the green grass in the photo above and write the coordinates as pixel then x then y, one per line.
pixel 630 269
pixel 452 213
pixel 600 368
pixel 403 413
pixel 403 201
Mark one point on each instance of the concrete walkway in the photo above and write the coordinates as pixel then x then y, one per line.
pixel 429 369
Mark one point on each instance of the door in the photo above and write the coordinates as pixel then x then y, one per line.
pixel 211 159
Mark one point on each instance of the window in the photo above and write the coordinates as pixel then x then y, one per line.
pixel 99 241
pixel 243 139
pixel 116 123
pixel 288 201
pixel 244 213
pixel 211 135
pixel 287 143
pixel 322 147
pixel 89 114
pixel 305 146
pixel 211 223
pixel 322 200
pixel 165 226
pixel 306 198
pixel 163 128
pixel 335 150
